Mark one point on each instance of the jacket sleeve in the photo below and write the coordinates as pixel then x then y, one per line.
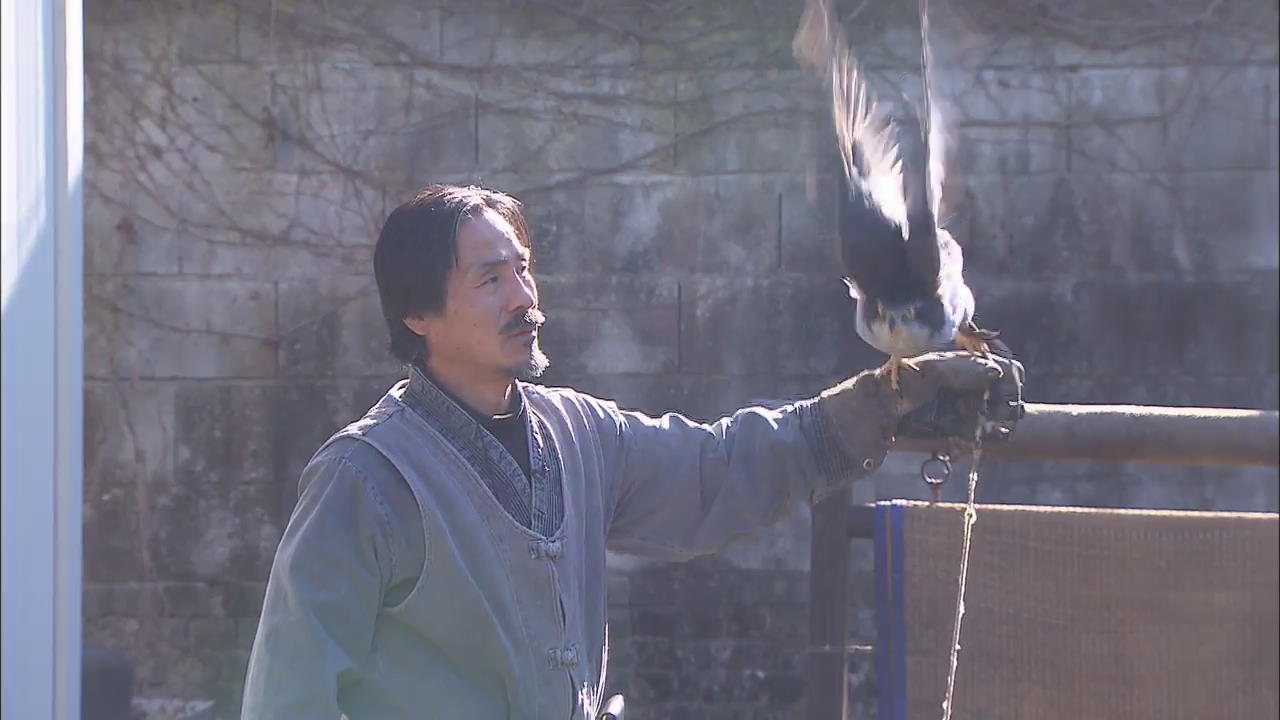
pixel 327 583
pixel 680 488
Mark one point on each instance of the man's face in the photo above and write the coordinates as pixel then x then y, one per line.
pixel 489 326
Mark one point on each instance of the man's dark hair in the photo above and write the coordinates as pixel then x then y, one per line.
pixel 418 249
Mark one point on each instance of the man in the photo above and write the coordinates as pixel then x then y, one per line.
pixel 446 558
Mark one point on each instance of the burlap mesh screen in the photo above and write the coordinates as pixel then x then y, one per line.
pixel 1080 613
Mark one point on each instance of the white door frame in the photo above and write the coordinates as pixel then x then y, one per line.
pixel 41 151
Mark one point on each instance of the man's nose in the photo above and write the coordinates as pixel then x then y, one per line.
pixel 525 293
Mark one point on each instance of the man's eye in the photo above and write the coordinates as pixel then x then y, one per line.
pixel 490 280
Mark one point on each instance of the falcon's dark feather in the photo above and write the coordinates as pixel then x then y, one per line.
pixel 888 235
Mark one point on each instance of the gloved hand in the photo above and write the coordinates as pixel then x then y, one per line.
pixel 939 399
pixel 952 411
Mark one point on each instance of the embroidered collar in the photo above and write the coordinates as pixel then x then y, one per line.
pixel 535 502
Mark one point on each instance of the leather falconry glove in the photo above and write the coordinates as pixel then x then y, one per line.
pixel 953 411
pixel 939 399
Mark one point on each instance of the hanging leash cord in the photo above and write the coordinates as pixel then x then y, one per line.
pixel 970 511
pixel 970 516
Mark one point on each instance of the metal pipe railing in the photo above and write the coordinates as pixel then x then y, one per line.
pixel 1138 434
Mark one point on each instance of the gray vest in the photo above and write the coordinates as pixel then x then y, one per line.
pixel 504 622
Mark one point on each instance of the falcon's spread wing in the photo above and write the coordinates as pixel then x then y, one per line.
pixel 888 237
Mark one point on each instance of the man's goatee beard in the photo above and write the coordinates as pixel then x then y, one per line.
pixel 538 363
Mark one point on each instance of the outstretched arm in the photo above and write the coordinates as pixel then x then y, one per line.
pixel 681 488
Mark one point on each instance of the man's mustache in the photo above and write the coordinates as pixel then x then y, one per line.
pixel 531 318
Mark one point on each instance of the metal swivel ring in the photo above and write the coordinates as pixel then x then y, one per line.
pixel 937 462
pixel 936 479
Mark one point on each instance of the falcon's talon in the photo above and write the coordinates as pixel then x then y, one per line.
pixel 893 368
pixel 974 339
pixel 972 342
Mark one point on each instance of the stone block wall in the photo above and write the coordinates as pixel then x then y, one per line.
pixel 1113 187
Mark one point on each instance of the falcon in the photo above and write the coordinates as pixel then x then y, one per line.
pixel 902 268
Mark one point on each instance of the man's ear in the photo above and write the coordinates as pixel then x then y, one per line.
pixel 417 324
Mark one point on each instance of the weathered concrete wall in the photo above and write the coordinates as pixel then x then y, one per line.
pixel 1116 201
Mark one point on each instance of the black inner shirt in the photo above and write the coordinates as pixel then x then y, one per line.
pixel 509 429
